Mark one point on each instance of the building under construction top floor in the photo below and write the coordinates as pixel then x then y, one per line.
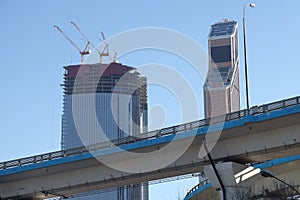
pixel 119 97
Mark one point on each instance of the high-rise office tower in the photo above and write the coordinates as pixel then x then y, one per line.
pixel 117 95
pixel 222 88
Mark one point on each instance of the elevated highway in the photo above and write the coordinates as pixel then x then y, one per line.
pixel 264 133
pixel 286 169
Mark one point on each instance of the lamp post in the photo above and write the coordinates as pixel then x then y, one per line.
pixel 269 174
pixel 251 5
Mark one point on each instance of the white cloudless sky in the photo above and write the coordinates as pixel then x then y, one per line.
pixel 33 54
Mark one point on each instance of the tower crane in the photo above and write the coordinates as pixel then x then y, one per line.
pixel 104 52
pixel 86 49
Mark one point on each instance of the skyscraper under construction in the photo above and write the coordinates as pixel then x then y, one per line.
pixel 117 95
pixel 222 88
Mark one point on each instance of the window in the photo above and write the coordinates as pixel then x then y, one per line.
pixel 221 54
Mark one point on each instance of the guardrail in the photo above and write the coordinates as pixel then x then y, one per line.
pixel 152 134
pixel 202 183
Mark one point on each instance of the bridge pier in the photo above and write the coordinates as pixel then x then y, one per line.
pixel 229 174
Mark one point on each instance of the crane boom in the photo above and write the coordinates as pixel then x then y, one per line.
pixel 104 52
pixel 86 49
pixel 87 39
pixel 69 39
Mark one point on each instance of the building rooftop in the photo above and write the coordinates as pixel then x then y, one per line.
pixel 223 27
pixel 80 70
pixel 104 78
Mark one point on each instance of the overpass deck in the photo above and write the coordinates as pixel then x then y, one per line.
pixel 277 123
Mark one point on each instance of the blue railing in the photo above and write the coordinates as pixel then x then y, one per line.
pixel 205 184
pixel 152 134
pixel 195 188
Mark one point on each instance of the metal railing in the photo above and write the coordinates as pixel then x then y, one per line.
pixel 202 183
pixel 151 135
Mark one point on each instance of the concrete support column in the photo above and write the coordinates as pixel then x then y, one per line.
pixel 226 173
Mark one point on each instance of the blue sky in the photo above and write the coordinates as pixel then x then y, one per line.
pixel 33 53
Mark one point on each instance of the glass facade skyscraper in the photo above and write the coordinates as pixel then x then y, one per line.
pixel 104 102
pixel 222 87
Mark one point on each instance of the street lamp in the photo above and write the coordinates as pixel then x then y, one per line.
pixel 251 5
pixel 269 174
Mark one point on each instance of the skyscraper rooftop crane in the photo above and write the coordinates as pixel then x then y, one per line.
pixel 104 52
pixel 83 52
